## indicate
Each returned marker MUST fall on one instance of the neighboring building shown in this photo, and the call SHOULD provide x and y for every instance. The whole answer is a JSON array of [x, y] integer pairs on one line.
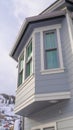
[[7, 117], [44, 52]]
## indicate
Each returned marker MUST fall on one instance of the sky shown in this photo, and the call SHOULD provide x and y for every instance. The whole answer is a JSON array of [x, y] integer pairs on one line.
[[12, 15]]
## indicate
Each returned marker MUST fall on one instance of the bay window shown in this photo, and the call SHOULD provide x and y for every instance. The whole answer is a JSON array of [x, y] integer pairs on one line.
[[25, 63]]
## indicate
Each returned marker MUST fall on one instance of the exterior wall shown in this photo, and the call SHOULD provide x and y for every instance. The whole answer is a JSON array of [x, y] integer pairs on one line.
[[68, 54], [63, 109], [49, 83], [57, 82]]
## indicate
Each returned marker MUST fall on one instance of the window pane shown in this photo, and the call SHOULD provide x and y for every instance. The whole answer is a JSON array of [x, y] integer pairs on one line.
[[21, 63], [29, 49], [50, 40], [20, 80], [29, 68], [51, 59]]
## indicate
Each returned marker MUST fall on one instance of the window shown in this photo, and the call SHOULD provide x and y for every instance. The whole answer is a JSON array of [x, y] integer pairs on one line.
[[51, 126], [25, 63], [50, 51], [21, 63], [28, 59]]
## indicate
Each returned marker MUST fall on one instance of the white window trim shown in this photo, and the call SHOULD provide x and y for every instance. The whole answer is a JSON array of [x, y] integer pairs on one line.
[[21, 54], [24, 52], [30, 38], [41, 30], [41, 127]]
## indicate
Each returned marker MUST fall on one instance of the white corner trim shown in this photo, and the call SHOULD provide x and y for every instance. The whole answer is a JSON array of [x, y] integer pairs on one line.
[[59, 48], [33, 53], [53, 96], [69, 29], [42, 51]]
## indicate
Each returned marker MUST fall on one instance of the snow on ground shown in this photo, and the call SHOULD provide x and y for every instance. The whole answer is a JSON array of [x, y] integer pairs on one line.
[[9, 119]]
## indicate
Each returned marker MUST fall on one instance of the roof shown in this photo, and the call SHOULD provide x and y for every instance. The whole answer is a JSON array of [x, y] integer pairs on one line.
[[41, 17], [52, 5]]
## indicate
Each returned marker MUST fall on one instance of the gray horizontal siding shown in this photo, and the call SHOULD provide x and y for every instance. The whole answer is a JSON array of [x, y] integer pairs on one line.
[[68, 55], [48, 82]]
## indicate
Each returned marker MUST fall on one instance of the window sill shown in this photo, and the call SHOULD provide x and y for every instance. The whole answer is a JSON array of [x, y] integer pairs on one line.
[[52, 71], [29, 78], [26, 81]]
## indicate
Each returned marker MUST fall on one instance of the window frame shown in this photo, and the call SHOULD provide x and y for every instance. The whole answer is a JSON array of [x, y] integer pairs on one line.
[[30, 57], [24, 66], [22, 70], [56, 27], [42, 127], [52, 49]]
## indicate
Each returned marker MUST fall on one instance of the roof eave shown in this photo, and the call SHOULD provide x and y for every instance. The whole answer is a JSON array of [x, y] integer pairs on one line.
[[31, 20], [18, 37]]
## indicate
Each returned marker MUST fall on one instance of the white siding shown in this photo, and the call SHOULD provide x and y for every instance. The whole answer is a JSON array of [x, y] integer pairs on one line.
[[24, 94]]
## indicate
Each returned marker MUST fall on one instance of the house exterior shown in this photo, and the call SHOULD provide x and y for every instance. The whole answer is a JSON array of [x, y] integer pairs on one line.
[[44, 52]]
